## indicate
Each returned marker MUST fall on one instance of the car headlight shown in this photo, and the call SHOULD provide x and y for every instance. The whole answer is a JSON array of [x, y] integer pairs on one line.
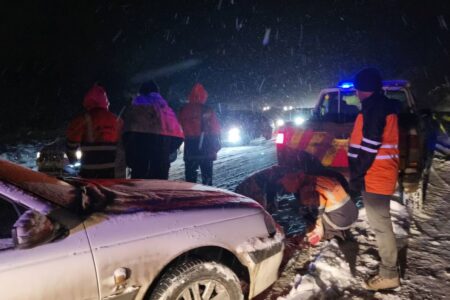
[[280, 122], [299, 120], [78, 154], [234, 135], [38, 154]]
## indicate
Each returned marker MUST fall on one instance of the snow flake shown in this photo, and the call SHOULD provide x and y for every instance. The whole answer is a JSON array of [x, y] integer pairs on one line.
[[118, 34], [442, 22], [266, 38]]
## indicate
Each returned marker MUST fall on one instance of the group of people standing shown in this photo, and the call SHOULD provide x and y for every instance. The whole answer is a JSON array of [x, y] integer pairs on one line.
[[144, 140], [151, 131]]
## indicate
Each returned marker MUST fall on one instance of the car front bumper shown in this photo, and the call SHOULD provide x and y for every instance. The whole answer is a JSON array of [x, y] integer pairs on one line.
[[263, 258]]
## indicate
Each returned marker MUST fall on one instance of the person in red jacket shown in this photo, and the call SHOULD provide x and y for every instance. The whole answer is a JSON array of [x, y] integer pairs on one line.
[[202, 136], [96, 132], [374, 163]]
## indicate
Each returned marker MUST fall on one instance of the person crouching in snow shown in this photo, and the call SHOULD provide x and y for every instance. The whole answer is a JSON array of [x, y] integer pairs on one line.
[[336, 211], [151, 134]]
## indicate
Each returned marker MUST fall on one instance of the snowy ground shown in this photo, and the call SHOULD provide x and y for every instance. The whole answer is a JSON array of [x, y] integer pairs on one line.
[[337, 271], [333, 270]]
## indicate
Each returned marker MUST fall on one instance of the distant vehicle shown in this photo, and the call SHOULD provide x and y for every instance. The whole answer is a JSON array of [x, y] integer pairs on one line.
[[295, 116], [240, 127], [52, 159], [326, 134], [131, 239]]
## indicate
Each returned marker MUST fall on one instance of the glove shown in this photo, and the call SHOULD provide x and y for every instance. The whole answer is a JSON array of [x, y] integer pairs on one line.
[[316, 234]]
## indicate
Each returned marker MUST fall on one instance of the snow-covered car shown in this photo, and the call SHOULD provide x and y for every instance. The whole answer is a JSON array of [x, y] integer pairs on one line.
[[240, 127], [131, 239]]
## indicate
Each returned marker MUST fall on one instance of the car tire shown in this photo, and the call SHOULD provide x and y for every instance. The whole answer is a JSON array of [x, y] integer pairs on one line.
[[198, 279]]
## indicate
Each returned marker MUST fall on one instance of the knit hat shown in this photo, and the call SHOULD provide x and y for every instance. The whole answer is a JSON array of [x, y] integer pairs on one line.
[[148, 87], [96, 98], [368, 80]]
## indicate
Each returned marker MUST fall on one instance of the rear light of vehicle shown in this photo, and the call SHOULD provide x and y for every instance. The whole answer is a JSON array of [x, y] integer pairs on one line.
[[280, 138]]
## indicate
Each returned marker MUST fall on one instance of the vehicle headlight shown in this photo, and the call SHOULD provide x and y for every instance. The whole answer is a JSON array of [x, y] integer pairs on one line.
[[38, 154], [280, 122], [299, 120], [78, 154], [234, 135]]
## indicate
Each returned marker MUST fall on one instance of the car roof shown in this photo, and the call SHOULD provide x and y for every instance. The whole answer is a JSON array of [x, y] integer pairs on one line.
[[397, 84]]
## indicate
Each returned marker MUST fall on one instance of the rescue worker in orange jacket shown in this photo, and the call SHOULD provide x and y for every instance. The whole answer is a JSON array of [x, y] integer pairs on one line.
[[151, 134], [374, 163], [202, 131], [96, 132], [336, 211]]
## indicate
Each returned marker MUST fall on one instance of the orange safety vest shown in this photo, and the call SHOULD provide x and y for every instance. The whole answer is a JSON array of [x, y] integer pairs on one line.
[[381, 177], [332, 195]]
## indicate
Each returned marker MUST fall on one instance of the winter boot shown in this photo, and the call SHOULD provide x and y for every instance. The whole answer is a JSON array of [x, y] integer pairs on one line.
[[381, 283]]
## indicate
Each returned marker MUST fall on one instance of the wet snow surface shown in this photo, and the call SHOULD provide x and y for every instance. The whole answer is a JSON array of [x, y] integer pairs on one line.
[[336, 270]]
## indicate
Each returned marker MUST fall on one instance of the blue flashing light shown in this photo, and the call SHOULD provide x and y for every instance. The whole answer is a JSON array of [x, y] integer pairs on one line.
[[345, 85]]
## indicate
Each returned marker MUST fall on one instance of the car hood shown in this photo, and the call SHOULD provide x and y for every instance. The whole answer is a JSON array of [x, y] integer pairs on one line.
[[120, 195], [129, 196]]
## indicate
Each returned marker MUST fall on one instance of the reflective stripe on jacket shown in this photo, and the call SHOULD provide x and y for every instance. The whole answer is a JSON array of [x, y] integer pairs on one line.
[[96, 132], [332, 195], [373, 149]]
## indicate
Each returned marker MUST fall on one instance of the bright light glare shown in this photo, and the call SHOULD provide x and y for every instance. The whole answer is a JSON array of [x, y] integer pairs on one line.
[[299, 120], [234, 135], [280, 122], [265, 108], [285, 108], [38, 154], [280, 138], [78, 154]]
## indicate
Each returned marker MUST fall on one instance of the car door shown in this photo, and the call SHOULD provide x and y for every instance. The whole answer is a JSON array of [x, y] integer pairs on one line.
[[61, 269]]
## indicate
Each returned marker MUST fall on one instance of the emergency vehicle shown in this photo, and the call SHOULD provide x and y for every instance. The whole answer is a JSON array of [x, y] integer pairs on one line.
[[326, 134]]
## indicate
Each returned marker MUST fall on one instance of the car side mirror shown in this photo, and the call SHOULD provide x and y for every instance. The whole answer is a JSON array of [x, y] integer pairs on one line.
[[32, 229]]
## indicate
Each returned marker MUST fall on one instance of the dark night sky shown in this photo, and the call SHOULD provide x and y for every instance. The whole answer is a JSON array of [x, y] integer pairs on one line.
[[52, 52]]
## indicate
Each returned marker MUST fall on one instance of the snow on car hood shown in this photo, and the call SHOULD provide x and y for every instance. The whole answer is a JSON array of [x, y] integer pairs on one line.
[[128, 196], [120, 195]]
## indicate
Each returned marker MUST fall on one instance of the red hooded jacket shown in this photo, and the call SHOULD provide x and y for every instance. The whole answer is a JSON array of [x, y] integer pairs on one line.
[[197, 119], [96, 132]]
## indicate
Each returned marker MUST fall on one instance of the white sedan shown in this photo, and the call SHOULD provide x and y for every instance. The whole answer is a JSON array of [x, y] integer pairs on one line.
[[131, 239]]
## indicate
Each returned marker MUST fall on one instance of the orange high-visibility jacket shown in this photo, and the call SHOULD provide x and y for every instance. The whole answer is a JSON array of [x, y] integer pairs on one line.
[[373, 150]]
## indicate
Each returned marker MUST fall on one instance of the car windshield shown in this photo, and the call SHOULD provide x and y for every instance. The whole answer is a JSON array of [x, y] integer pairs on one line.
[[335, 106], [345, 105]]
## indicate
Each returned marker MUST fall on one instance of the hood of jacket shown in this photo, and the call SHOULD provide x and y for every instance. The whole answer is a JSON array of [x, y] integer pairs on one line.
[[96, 98], [198, 94]]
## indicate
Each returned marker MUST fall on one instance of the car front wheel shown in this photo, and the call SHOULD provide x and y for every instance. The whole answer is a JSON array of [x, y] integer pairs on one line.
[[197, 279]]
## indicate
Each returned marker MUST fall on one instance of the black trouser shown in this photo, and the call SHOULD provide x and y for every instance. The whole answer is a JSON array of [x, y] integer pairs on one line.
[[101, 173], [148, 155], [206, 167]]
